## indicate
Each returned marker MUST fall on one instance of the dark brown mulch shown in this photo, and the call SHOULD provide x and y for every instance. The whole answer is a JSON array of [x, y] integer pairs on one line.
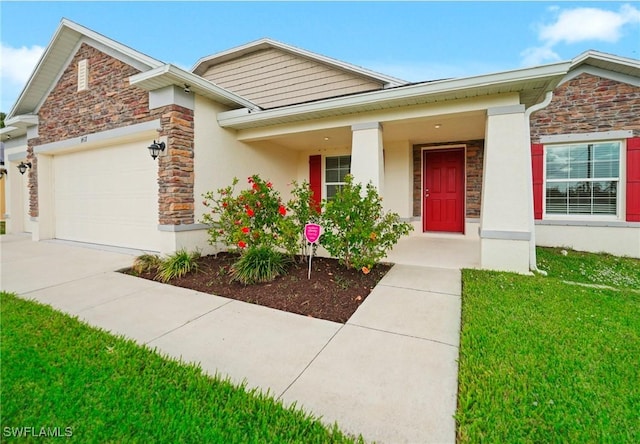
[[333, 292]]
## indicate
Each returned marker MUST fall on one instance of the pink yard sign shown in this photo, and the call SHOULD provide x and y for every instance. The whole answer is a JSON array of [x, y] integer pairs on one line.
[[312, 232]]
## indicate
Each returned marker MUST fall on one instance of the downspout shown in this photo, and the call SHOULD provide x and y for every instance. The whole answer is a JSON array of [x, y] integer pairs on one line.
[[532, 243]]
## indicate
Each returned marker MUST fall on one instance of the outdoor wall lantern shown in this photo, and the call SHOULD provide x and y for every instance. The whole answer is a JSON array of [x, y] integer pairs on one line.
[[23, 167], [155, 149]]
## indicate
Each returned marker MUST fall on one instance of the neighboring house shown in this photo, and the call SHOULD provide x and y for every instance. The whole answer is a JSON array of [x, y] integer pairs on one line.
[[452, 156]]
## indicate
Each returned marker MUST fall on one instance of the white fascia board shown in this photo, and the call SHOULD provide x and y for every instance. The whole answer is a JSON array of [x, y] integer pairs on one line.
[[609, 58], [553, 72], [179, 77], [23, 120], [126, 50], [66, 39], [269, 43]]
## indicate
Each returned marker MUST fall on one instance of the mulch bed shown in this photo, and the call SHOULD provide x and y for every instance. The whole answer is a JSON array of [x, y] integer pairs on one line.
[[333, 292]]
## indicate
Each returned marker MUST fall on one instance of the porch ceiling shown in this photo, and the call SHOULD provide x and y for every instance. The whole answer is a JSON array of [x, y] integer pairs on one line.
[[452, 128]]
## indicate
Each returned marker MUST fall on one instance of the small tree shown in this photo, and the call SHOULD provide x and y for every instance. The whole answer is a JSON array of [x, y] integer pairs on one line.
[[357, 231]]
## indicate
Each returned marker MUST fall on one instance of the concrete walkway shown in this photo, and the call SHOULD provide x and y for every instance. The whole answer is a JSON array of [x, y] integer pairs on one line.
[[390, 373]]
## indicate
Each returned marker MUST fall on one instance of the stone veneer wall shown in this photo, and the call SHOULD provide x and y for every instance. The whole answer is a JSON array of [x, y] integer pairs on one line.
[[176, 176], [589, 104], [474, 159], [108, 103]]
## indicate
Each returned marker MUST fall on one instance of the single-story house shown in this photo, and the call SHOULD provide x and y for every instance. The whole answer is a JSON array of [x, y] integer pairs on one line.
[[547, 155]]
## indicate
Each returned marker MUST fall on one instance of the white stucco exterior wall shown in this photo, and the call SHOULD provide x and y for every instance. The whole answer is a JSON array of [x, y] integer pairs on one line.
[[398, 176], [505, 223], [617, 240], [16, 188], [218, 158]]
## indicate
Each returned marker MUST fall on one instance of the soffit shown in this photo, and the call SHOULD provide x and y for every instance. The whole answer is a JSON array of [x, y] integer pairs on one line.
[[531, 84]]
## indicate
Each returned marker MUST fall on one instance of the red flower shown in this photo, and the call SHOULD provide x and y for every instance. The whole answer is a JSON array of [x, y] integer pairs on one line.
[[245, 229], [282, 210], [250, 179], [250, 212], [242, 244], [225, 205], [269, 184], [256, 186]]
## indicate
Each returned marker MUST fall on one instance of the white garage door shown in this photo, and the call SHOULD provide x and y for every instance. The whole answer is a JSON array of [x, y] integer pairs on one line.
[[107, 196]]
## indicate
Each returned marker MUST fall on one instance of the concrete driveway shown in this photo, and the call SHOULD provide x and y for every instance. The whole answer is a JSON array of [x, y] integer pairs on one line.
[[389, 373]]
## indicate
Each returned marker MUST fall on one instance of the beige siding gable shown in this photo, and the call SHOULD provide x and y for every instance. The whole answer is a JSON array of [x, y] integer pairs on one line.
[[273, 77]]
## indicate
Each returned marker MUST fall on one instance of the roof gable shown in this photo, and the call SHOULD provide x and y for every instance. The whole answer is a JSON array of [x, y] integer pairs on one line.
[[273, 74], [59, 53], [605, 65]]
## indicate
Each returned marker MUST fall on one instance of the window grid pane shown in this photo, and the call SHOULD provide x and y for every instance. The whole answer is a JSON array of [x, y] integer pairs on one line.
[[590, 163], [336, 169]]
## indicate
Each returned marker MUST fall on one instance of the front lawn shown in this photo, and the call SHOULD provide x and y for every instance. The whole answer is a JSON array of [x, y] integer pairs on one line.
[[62, 377], [543, 360]]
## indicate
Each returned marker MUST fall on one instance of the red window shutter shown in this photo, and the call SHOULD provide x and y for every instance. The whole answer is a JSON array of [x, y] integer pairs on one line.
[[537, 166], [633, 179], [315, 179]]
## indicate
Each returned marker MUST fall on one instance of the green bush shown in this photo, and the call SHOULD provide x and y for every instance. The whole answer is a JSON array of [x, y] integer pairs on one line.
[[259, 264], [304, 210], [356, 230], [177, 265], [146, 263]]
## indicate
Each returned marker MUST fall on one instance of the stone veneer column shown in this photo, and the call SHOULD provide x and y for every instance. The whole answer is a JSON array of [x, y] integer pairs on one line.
[[175, 168], [367, 160]]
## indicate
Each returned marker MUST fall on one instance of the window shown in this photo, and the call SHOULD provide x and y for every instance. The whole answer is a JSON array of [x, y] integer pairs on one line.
[[582, 179], [336, 168]]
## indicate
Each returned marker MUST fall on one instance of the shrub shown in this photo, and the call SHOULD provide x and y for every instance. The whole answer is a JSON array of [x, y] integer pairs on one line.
[[146, 263], [177, 265], [254, 218], [303, 211], [259, 264], [356, 229]]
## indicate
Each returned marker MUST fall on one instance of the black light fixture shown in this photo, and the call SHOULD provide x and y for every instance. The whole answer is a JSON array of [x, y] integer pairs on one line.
[[23, 167], [155, 149]]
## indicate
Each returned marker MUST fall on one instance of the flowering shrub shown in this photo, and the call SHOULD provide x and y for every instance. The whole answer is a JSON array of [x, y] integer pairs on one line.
[[256, 217], [356, 229]]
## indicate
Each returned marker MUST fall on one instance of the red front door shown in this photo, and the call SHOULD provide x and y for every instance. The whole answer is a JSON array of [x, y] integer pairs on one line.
[[443, 190]]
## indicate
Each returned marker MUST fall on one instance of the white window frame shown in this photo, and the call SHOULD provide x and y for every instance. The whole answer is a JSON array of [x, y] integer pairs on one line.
[[621, 188], [324, 173]]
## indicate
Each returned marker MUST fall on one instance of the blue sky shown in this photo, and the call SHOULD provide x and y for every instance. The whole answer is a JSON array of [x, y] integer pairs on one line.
[[411, 40]]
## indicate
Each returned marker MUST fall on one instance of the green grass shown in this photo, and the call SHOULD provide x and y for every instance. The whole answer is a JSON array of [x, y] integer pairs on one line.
[[543, 361], [59, 372], [598, 269]]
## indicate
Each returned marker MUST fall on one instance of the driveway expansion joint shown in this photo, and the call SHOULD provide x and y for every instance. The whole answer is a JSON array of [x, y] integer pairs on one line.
[[403, 335], [421, 291], [189, 321], [310, 362]]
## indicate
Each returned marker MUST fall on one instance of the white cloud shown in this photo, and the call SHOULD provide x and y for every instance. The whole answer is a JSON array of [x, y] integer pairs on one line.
[[584, 24], [15, 69], [538, 56], [577, 25]]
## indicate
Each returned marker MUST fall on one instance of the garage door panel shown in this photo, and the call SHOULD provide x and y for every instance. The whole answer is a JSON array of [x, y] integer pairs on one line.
[[107, 196]]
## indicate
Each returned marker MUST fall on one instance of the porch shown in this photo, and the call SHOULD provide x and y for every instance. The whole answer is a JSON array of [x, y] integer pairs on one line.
[[434, 250]]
